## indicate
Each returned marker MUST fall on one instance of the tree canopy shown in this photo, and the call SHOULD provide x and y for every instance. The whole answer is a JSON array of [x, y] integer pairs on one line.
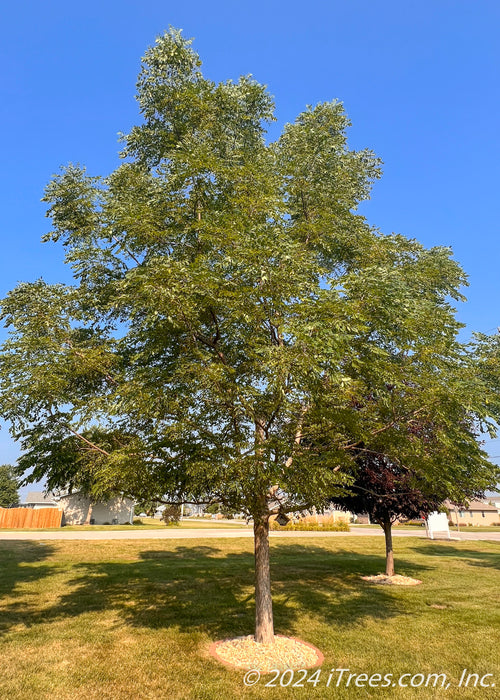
[[9, 495], [235, 326], [389, 492]]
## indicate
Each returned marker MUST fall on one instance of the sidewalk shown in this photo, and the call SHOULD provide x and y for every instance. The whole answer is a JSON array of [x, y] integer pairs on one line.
[[195, 534]]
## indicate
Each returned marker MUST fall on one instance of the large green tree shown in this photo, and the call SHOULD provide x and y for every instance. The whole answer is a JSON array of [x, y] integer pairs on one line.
[[9, 495], [232, 317]]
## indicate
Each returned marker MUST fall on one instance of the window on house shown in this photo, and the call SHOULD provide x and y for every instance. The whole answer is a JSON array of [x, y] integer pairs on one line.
[[482, 513], [471, 514], [461, 513]]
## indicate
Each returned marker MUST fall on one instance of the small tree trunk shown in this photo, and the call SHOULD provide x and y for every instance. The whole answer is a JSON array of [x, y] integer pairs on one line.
[[264, 626], [89, 514], [389, 553]]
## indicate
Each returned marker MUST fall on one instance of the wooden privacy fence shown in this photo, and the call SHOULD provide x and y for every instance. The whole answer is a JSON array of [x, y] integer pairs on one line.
[[30, 517]]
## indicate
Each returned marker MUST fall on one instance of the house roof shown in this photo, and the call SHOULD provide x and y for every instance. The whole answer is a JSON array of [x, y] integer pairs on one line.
[[473, 505], [481, 505], [37, 497]]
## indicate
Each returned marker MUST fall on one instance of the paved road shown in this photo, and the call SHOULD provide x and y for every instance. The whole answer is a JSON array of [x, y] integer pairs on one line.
[[195, 534]]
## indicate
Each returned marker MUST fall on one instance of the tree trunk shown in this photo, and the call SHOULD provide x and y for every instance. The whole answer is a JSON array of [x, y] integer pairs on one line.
[[264, 626], [389, 554], [89, 514]]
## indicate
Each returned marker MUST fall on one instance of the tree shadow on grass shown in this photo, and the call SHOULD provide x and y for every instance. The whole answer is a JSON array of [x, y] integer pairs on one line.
[[205, 589], [329, 584], [15, 559], [491, 560], [20, 565]]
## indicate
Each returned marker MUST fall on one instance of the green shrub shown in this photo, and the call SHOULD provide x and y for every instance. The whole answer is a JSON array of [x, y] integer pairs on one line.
[[213, 509], [171, 515]]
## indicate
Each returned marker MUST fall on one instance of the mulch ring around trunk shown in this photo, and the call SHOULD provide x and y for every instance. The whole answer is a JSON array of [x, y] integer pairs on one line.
[[396, 580], [284, 653]]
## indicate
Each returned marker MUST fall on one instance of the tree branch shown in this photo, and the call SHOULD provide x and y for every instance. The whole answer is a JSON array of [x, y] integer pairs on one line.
[[80, 437], [126, 250]]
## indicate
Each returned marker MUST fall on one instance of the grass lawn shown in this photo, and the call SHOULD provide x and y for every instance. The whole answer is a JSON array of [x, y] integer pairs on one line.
[[123, 620]]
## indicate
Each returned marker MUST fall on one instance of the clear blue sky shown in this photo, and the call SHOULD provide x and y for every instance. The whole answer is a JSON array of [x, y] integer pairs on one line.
[[419, 80]]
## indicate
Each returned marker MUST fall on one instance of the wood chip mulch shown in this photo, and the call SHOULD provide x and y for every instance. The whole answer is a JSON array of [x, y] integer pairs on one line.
[[283, 653], [396, 580]]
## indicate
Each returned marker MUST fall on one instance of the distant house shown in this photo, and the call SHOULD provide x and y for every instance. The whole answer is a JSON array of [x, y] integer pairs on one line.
[[37, 499], [78, 509], [494, 499], [362, 519], [477, 513]]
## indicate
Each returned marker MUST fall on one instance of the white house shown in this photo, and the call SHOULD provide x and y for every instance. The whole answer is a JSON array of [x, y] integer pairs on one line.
[[79, 509]]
